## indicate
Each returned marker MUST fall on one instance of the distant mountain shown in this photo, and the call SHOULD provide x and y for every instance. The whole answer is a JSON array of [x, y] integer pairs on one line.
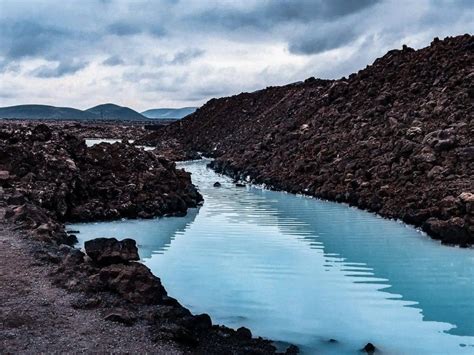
[[101, 112], [46, 112], [169, 113], [115, 112]]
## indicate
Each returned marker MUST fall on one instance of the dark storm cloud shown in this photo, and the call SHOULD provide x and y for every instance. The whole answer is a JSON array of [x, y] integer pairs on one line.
[[309, 10], [59, 70], [269, 14], [20, 39], [307, 26], [321, 41], [168, 46], [123, 29]]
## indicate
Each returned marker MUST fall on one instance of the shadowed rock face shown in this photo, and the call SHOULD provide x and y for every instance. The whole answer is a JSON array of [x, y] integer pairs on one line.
[[108, 251], [133, 282], [396, 138]]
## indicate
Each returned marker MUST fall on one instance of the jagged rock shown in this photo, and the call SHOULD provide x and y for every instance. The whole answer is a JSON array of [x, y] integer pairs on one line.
[[41, 133], [217, 184], [451, 231], [414, 131], [244, 333], [292, 350], [369, 348], [106, 251], [134, 282], [57, 173], [72, 256]]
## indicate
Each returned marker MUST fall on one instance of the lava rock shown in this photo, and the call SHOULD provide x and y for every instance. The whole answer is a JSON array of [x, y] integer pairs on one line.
[[292, 350], [369, 348], [72, 182], [244, 333], [106, 251], [133, 282]]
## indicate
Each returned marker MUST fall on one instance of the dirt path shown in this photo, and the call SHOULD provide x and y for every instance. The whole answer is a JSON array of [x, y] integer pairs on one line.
[[36, 316]]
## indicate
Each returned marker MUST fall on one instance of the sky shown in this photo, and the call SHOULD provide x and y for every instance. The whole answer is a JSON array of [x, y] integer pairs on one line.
[[164, 53]]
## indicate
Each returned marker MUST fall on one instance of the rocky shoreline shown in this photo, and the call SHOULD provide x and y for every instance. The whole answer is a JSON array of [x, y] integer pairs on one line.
[[396, 138], [49, 177], [110, 130]]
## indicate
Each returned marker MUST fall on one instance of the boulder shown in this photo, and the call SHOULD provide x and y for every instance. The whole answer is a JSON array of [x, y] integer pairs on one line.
[[369, 348], [244, 333], [41, 133], [134, 282], [106, 251], [451, 231]]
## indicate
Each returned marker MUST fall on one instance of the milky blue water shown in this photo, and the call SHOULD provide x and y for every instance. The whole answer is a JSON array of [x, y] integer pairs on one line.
[[93, 141], [303, 271]]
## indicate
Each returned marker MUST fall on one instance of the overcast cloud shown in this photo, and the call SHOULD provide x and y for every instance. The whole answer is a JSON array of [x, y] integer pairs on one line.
[[164, 53]]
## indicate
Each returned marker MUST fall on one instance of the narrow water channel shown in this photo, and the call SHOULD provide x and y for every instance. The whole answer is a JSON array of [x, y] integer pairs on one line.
[[304, 271]]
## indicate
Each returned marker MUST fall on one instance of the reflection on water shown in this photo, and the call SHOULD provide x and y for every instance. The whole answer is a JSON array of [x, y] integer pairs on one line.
[[151, 238], [304, 271]]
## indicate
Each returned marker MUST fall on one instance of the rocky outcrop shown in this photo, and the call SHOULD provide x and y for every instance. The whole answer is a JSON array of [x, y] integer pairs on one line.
[[49, 176], [108, 251], [396, 138], [134, 282], [37, 221], [128, 293], [110, 130]]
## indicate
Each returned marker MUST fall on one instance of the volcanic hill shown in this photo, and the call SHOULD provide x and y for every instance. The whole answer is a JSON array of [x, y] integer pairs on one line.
[[396, 138]]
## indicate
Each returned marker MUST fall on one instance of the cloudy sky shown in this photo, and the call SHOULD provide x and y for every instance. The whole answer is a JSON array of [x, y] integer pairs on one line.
[[165, 53]]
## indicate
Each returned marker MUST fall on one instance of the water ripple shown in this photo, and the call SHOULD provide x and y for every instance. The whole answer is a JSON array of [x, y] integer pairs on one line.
[[303, 271]]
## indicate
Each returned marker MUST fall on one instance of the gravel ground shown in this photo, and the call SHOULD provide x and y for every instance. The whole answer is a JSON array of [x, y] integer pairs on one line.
[[36, 316]]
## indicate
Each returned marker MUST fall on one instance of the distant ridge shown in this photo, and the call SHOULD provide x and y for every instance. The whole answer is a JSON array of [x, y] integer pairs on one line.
[[169, 113], [46, 112], [115, 112]]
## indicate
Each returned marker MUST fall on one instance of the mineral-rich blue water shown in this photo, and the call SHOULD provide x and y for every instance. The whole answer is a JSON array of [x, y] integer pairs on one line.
[[93, 141], [303, 271]]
